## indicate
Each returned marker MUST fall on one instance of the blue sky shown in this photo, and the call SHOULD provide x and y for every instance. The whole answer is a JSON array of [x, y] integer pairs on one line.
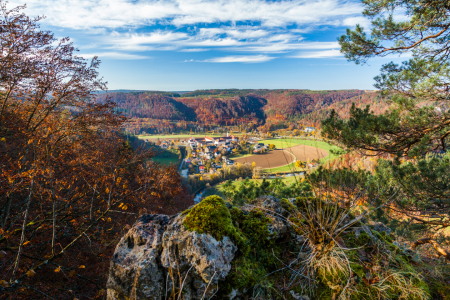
[[201, 44]]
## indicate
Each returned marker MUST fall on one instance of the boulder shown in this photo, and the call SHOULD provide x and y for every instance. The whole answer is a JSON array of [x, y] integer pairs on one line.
[[158, 254]]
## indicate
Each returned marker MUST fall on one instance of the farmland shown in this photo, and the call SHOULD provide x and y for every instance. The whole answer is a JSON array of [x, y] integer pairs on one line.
[[166, 157], [274, 158], [283, 160]]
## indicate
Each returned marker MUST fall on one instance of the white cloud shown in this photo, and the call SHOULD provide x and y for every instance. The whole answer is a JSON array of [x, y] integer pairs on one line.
[[272, 42], [319, 54], [194, 50], [267, 46], [113, 55], [83, 14], [120, 28], [352, 21], [240, 59]]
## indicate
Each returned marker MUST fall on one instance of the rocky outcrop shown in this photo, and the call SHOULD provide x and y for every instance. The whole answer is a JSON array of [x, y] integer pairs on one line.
[[158, 257], [158, 254], [215, 249]]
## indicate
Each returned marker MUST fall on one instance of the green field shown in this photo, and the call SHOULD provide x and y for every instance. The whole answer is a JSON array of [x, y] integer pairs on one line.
[[166, 160], [286, 143], [167, 157], [284, 169]]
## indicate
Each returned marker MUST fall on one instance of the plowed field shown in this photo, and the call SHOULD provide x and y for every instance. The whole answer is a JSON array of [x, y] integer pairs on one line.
[[278, 158], [303, 152], [271, 159]]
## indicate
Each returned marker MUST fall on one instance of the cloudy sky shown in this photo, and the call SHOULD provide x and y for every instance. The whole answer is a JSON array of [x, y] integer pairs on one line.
[[179, 45]]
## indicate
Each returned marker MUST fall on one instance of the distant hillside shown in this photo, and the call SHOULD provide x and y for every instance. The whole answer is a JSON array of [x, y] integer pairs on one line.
[[377, 104], [295, 103], [150, 105], [162, 112], [218, 106], [228, 110]]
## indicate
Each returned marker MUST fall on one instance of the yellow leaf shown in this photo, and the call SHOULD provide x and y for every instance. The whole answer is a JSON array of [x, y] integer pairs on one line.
[[26, 243], [121, 204], [4, 283], [30, 141], [58, 270], [82, 267], [125, 186], [124, 207], [109, 219], [72, 273], [119, 179], [31, 273], [107, 190]]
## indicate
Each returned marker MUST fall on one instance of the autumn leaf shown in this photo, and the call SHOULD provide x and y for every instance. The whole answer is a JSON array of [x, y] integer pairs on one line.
[[72, 273], [31, 273], [58, 270], [4, 283], [82, 267]]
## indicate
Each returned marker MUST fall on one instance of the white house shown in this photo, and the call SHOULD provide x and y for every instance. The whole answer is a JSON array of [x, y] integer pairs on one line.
[[309, 129]]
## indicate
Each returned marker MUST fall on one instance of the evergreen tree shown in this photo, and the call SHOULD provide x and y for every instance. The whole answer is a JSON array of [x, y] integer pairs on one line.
[[415, 130]]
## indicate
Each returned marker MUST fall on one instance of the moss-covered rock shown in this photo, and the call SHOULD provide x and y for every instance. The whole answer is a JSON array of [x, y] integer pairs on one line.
[[266, 250], [212, 216]]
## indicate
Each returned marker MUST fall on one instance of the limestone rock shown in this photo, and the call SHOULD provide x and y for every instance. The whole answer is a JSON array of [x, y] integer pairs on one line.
[[158, 257], [135, 269], [158, 254]]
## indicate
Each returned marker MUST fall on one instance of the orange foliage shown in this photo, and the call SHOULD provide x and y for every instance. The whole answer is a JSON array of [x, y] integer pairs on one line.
[[69, 183]]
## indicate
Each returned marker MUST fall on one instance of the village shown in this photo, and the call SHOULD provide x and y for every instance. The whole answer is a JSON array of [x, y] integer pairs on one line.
[[202, 155], [209, 154]]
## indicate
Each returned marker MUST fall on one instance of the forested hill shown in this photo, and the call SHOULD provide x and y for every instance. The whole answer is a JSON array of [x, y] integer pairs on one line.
[[229, 106]]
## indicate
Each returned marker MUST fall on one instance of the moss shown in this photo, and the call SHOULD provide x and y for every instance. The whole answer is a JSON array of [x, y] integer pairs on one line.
[[250, 268], [248, 230], [212, 216], [287, 206]]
